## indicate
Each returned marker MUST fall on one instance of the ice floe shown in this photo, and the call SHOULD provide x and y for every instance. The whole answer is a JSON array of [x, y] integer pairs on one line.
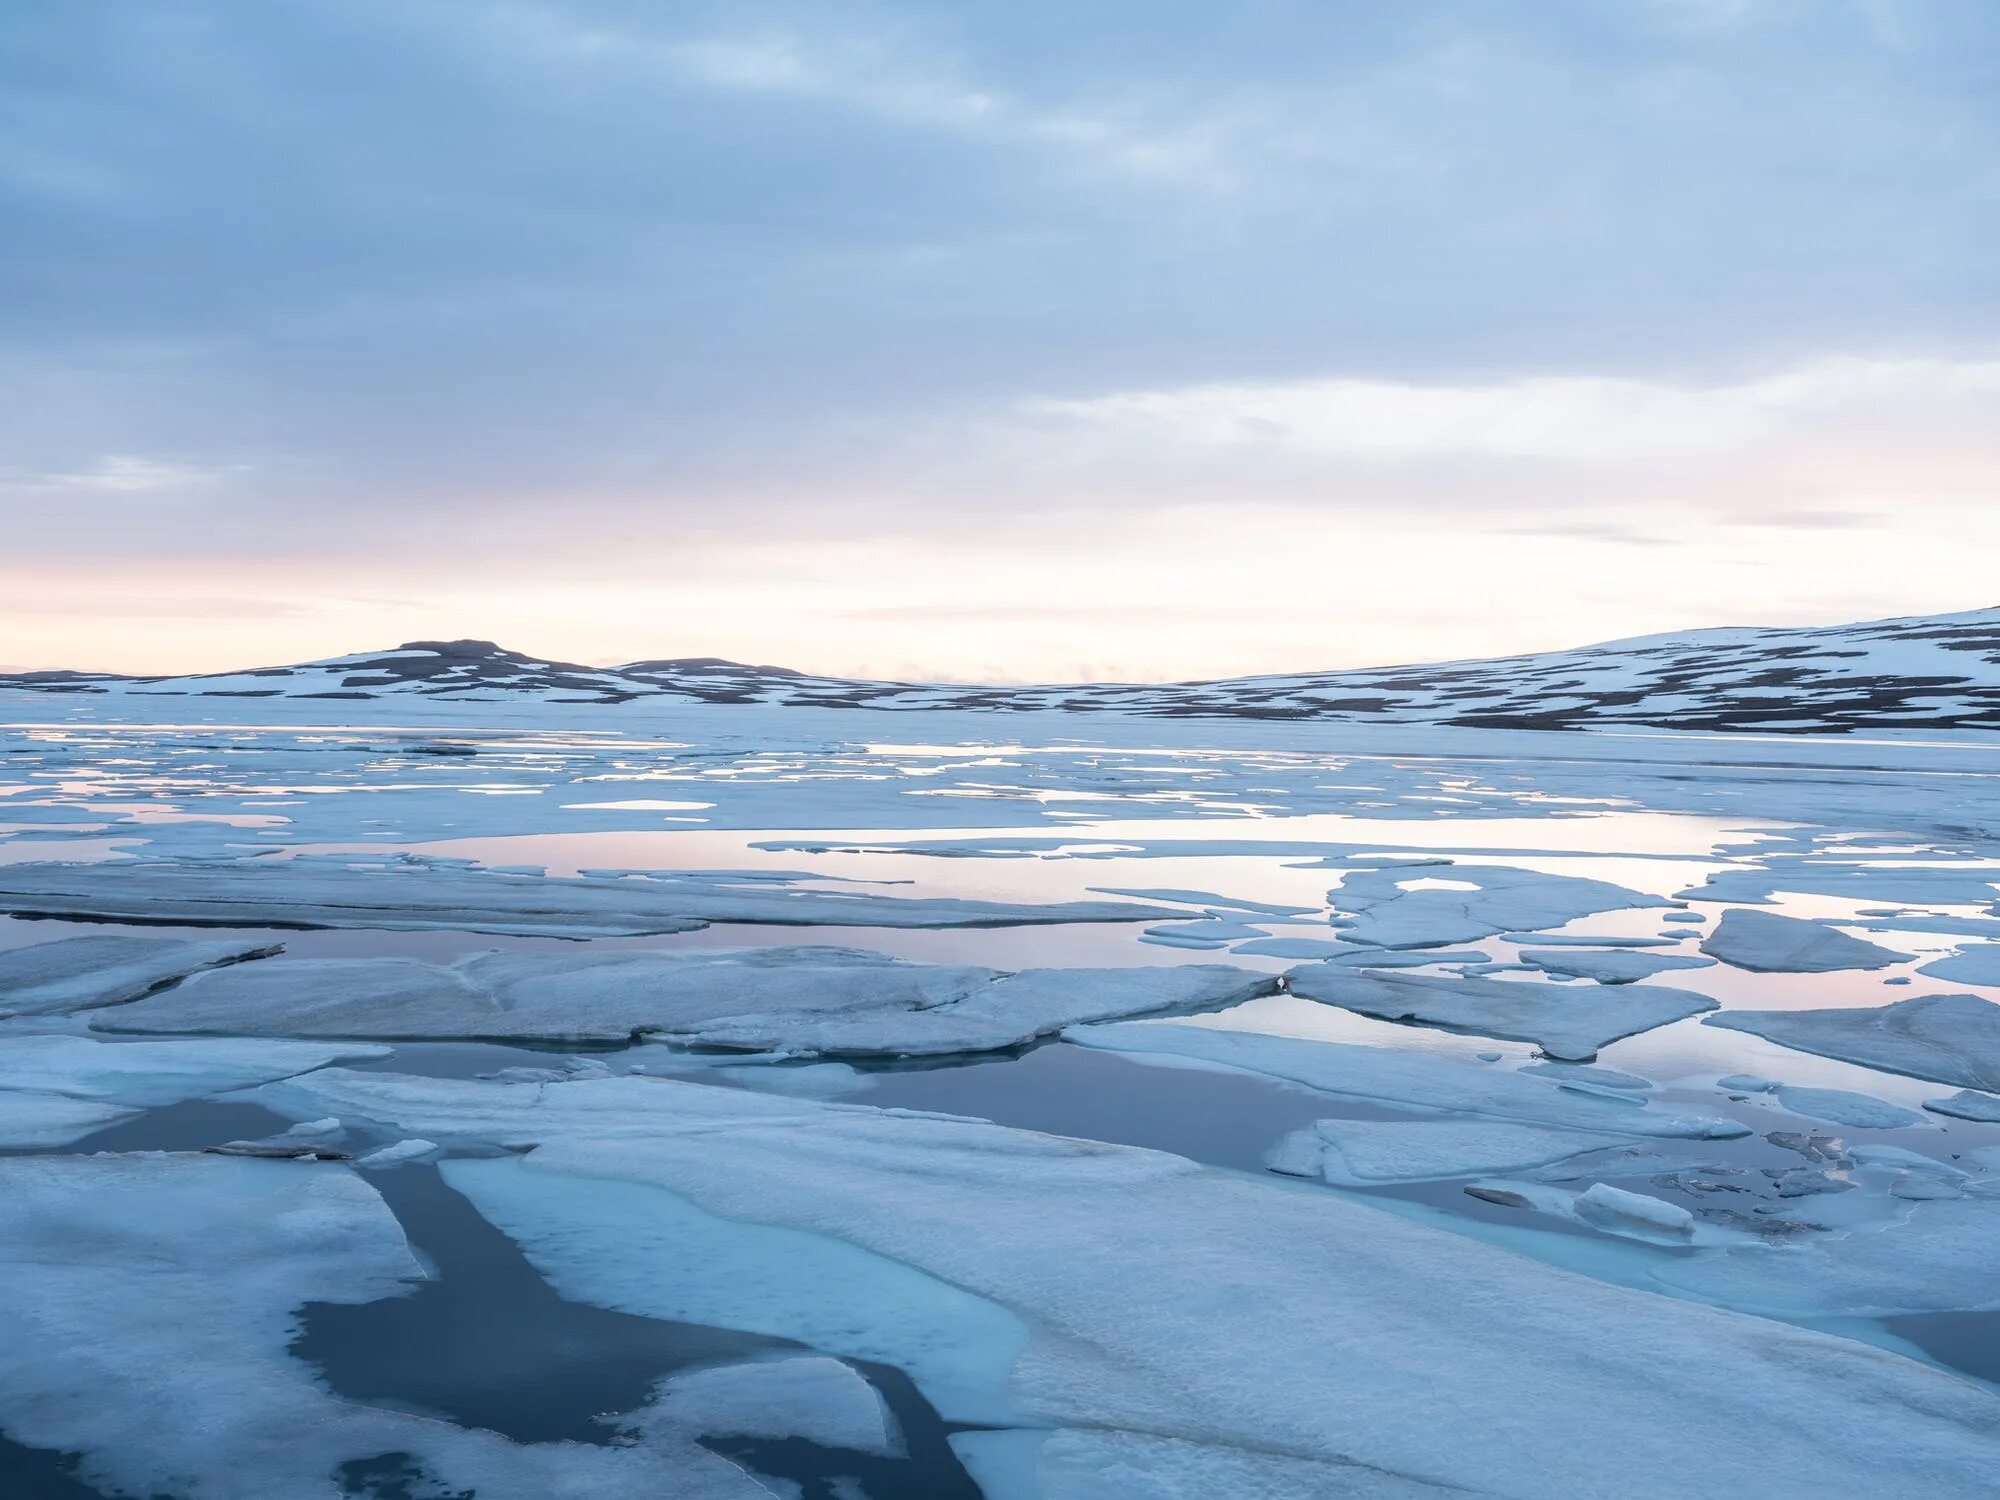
[[1845, 1107], [1609, 965], [1416, 1080], [1364, 1153], [38, 1121], [1565, 1021], [1237, 1314], [1967, 1105], [821, 1000], [812, 1397], [80, 973], [1951, 1039], [1978, 964], [1933, 1254], [153, 1073], [1765, 941], [146, 1304], [1393, 908], [263, 892]]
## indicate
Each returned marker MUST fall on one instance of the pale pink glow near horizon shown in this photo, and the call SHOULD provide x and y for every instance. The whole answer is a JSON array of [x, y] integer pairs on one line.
[[1204, 532]]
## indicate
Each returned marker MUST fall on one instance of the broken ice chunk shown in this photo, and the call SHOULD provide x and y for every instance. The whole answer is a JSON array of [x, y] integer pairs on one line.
[[1767, 942], [83, 973], [1952, 1039], [1565, 1021]]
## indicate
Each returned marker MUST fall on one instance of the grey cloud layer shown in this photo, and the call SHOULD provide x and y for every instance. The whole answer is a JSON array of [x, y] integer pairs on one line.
[[308, 260]]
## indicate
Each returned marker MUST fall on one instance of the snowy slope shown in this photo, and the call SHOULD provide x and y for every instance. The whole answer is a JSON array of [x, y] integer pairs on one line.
[[1923, 672]]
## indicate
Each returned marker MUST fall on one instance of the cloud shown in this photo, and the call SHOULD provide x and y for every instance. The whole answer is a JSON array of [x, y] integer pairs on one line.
[[130, 474], [875, 74], [1557, 419]]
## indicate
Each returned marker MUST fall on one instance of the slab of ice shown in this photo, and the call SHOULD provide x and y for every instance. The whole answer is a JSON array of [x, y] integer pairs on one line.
[[1933, 1256], [1208, 929], [1383, 909], [80, 973], [146, 1303], [154, 1073], [1967, 1105], [39, 1122], [1607, 1209], [1565, 1021], [1767, 942], [811, 1397], [401, 1154], [1204, 899], [264, 892], [647, 1250], [827, 1000], [1010, 1010], [1365, 1153], [1844, 1107], [1587, 940], [1236, 1314], [1978, 964], [1073, 1464], [1951, 1039], [1614, 1207], [1398, 1076], [1565, 1074], [1610, 965], [1301, 948]]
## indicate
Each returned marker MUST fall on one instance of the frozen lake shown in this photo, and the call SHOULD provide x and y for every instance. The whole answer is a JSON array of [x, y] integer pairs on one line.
[[845, 1104]]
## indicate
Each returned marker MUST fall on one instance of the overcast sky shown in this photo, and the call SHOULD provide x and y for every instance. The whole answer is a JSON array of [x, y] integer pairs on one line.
[[1059, 338]]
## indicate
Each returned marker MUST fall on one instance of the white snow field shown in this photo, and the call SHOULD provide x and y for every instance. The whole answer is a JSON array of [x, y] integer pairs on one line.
[[729, 1087]]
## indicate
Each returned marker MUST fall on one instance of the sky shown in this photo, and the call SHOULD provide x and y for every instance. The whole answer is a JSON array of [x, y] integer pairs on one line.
[[1062, 339]]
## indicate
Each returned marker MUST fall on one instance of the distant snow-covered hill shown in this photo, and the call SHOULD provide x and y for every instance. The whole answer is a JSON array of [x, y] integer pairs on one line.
[[1924, 672]]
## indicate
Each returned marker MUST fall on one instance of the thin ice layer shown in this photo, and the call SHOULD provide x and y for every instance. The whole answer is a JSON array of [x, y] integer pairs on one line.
[[1565, 1021]]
